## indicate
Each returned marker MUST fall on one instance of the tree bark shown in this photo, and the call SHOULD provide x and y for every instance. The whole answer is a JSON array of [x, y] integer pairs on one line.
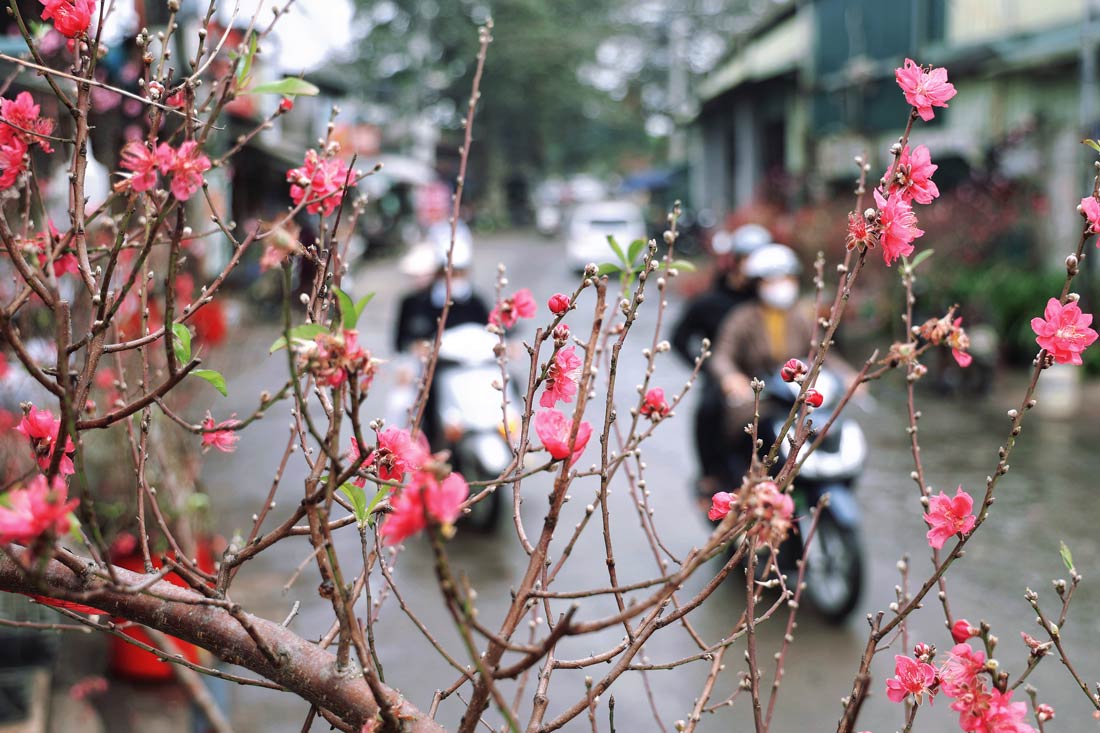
[[301, 666]]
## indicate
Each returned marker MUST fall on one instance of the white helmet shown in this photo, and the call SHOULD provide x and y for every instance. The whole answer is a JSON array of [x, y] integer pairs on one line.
[[748, 238], [440, 236], [771, 260]]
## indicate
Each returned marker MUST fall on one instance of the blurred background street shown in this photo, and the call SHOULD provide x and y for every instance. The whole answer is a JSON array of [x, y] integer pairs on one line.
[[596, 117], [1046, 498]]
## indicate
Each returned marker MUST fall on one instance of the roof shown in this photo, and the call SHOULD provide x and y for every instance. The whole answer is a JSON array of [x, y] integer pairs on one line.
[[776, 46]]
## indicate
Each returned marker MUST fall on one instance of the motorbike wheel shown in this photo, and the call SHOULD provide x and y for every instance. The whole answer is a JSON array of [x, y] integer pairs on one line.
[[834, 570], [485, 515]]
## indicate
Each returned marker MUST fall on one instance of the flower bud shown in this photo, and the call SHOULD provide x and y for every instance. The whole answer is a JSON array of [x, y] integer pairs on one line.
[[814, 398], [286, 104], [961, 630], [792, 369], [558, 303]]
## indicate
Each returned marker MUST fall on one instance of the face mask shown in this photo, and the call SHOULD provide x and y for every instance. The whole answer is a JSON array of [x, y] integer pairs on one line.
[[781, 294], [461, 289]]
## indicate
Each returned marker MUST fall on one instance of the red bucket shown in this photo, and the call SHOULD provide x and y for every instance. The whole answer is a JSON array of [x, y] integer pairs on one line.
[[134, 663]]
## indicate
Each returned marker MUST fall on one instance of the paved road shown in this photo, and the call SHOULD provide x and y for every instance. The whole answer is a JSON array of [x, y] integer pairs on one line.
[[1049, 496]]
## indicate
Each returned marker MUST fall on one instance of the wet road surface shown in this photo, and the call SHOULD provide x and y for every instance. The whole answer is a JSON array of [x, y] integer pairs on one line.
[[1048, 496]]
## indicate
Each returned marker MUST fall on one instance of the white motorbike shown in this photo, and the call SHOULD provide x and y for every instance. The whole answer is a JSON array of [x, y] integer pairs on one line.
[[470, 422]]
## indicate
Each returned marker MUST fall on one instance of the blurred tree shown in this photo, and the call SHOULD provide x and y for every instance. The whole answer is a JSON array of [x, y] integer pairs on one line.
[[569, 85]]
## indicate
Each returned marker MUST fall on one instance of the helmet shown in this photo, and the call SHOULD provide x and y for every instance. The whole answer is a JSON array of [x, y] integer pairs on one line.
[[419, 261], [748, 238], [771, 260], [440, 236]]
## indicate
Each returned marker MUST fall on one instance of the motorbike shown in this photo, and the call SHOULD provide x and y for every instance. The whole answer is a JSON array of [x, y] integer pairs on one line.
[[465, 407], [834, 562]]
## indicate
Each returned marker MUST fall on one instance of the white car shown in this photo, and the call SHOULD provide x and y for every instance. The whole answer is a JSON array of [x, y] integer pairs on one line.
[[591, 224]]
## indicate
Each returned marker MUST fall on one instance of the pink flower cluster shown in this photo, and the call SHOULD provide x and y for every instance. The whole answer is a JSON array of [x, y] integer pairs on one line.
[[1064, 331], [186, 166], [981, 707], [41, 507], [41, 429], [71, 18], [520, 305], [433, 494], [321, 179], [425, 499], [950, 332], [763, 502], [561, 377], [334, 357], [397, 453], [21, 125]]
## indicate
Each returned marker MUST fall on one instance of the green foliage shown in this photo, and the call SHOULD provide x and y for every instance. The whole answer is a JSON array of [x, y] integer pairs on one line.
[[1067, 556], [306, 332], [214, 378], [181, 342], [289, 87]]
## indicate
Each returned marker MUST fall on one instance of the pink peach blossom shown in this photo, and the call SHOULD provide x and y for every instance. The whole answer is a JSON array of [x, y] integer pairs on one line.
[[910, 678], [924, 89], [1090, 208], [187, 166], [398, 452], [38, 508], [948, 516], [520, 305], [27, 124], [898, 227], [553, 429], [224, 439], [558, 303], [71, 18], [1064, 331], [425, 499], [720, 505], [138, 158], [654, 406], [41, 429], [960, 671], [321, 179], [913, 178], [561, 377]]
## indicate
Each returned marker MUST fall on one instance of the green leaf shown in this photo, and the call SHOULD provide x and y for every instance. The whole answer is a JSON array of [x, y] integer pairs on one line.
[[347, 309], [379, 495], [307, 332], [683, 265], [246, 66], [74, 528], [362, 304], [214, 378], [635, 248], [290, 87], [608, 268], [358, 499], [923, 255], [181, 343], [1092, 144], [618, 251], [1067, 556]]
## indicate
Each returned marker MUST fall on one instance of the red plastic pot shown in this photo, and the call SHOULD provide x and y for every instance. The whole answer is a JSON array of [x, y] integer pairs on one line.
[[134, 663]]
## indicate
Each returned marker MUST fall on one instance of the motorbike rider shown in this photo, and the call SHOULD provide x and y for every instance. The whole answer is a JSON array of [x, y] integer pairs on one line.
[[700, 320], [755, 340], [419, 312]]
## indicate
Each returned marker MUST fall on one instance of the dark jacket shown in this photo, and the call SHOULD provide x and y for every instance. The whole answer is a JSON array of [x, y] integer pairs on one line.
[[703, 316], [418, 317]]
